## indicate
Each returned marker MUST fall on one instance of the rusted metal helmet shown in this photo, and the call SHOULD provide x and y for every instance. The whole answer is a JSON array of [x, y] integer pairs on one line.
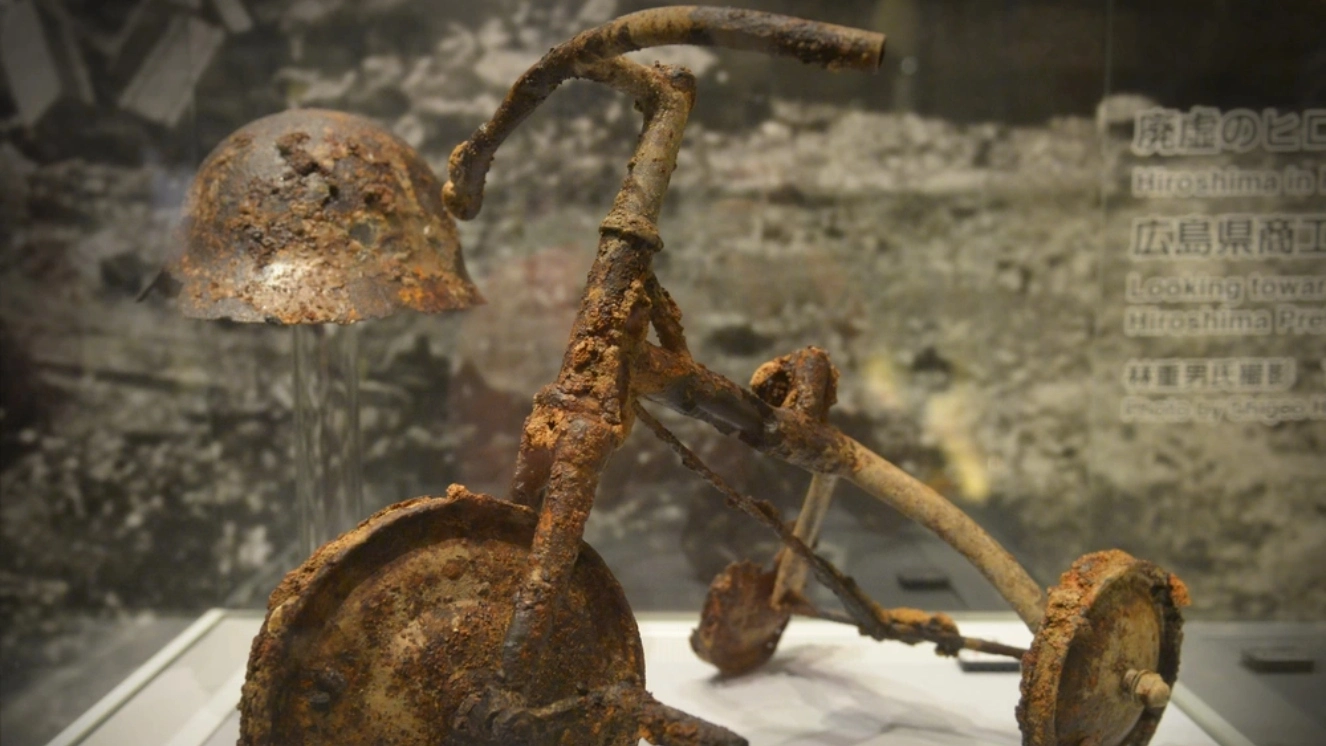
[[311, 216]]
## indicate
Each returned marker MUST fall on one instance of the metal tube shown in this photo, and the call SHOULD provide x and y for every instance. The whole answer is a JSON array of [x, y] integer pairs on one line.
[[680, 383], [834, 47], [914, 499], [792, 569], [585, 414]]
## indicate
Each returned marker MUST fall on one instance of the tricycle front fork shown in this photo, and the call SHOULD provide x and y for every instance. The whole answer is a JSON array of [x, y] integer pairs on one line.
[[581, 418], [585, 415]]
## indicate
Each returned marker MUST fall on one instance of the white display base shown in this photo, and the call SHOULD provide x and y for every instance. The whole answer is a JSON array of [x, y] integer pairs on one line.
[[827, 686]]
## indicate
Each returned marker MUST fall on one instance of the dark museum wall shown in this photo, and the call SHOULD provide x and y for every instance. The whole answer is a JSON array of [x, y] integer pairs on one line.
[[942, 229]]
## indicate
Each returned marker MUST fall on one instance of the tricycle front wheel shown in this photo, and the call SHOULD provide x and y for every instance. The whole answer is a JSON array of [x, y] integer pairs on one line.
[[387, 631]]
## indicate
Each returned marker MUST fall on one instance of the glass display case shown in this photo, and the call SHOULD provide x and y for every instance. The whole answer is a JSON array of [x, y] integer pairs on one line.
[[1068, 260]]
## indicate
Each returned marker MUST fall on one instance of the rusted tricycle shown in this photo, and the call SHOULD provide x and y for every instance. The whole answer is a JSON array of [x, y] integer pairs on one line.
[[466, 619]]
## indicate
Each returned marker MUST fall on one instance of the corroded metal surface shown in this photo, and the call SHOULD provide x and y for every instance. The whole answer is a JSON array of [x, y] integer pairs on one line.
[[311, 216], [499, 692], [585, 414], [744, 615], [739, 627], [790, 570], [803, 381], [906, 625], [391, 634], [834, 47], [668, 726], [465, 620], [1100, 668], [678, 382]]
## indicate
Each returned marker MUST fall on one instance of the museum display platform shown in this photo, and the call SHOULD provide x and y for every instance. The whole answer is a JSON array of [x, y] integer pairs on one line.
[[826, 685]]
